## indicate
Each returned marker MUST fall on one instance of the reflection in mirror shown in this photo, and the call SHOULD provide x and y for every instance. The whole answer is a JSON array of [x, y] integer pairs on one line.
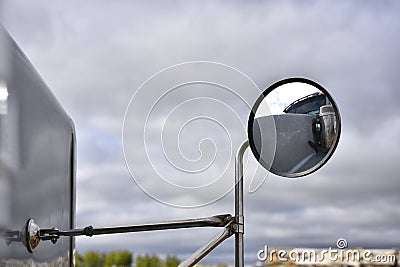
[[300, 121]]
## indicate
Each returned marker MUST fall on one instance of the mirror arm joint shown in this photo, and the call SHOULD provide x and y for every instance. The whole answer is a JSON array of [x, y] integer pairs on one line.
[[238, 225], [52, 234]]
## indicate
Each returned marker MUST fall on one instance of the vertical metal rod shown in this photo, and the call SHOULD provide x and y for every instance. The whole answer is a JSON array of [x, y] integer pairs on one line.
[[239, 218]]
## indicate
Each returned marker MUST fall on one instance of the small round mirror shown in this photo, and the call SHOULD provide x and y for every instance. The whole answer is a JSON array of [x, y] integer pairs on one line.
[[299, 120]]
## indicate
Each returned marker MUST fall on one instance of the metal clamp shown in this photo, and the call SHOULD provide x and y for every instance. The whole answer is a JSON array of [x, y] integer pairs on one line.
[[238, 225]]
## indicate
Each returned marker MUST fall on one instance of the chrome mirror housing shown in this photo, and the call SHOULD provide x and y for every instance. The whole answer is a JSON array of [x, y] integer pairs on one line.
[[30, 235]]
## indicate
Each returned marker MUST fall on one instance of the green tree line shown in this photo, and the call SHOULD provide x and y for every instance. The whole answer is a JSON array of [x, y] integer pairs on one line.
[[123, 259]]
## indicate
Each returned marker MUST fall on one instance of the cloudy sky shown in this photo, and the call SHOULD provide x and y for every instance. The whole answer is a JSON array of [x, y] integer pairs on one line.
[[94, 55]]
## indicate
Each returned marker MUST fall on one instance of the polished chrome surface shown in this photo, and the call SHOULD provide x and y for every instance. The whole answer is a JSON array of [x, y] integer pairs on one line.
[[36, 160], [239, 213], [30, 235]]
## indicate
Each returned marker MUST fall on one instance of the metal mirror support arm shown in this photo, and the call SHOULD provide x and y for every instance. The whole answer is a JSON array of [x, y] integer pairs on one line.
[[31, 234], [239, 217], [207, 248], [213, 221], [226, 221]]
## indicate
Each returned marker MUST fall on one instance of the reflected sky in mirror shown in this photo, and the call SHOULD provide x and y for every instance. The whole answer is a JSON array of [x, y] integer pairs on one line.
[[277, 100]]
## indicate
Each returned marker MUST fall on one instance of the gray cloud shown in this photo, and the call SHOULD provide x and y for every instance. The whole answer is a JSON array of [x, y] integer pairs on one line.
[[94, 55]]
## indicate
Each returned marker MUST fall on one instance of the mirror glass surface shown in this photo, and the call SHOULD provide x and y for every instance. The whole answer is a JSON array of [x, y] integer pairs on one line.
[[299, 120]]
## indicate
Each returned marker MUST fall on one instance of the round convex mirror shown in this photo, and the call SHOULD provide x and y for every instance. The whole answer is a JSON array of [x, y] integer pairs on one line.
[[299, 120]]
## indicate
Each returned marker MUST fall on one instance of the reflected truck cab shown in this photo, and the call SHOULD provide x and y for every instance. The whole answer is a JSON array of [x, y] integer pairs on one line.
[[309, 104]]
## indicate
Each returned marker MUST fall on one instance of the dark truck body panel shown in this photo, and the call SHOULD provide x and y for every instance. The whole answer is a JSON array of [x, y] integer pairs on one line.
[[37, 160]]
